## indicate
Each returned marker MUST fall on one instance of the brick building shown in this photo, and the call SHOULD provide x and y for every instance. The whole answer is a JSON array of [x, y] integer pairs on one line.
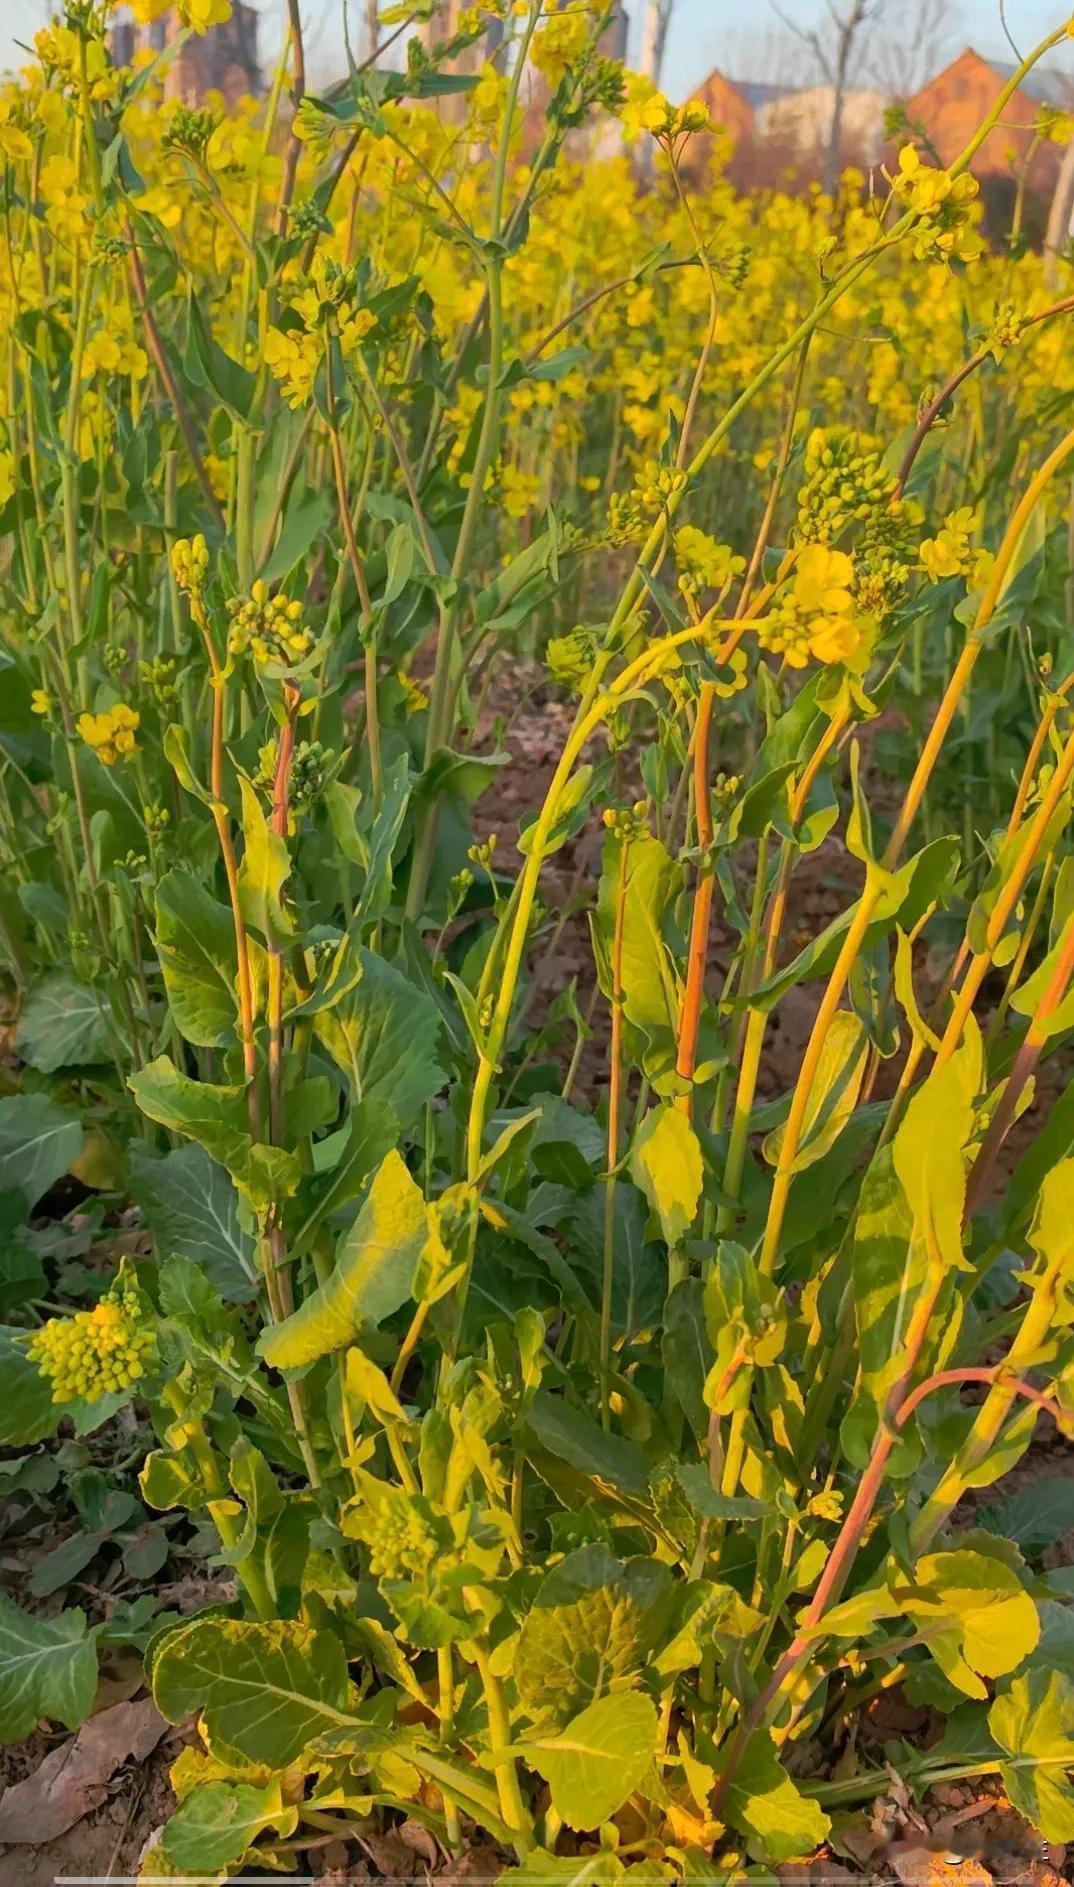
[[223, 59], [952, 105]]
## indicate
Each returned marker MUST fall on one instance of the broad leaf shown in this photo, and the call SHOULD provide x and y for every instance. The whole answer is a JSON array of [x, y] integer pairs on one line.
[[1034, 1515], [833, 1096], [196, 947], [575, 1438], [373, 1274], [598, 1759], [219, 1821], [48, 1668], [38, 1142], [384, 1035], [27, 1411], [1034, 1723], [665, 1161], [190, 1207], [763, 1803], [590, 1631], [266, 1689], [62, 1024]]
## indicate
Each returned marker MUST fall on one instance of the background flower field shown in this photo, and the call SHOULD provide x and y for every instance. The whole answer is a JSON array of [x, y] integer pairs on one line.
[[536, 1123]]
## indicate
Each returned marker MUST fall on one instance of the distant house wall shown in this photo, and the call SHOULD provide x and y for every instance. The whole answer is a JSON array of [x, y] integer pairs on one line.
[[952, 105], [223, 59], [803, 119], [728, 107]]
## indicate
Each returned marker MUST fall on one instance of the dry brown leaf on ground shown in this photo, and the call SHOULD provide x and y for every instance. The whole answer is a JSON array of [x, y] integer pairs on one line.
[[73, 1778]]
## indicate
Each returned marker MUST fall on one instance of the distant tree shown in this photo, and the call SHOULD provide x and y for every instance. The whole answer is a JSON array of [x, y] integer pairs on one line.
[[1060, 228], [837, 49], [903, 61], [654, 34]]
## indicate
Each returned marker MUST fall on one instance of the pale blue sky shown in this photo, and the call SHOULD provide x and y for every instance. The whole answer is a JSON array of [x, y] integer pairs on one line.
[[745, 40]]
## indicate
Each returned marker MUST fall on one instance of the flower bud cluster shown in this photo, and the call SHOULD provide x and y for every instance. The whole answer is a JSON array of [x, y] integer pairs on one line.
[[98, 1351], [656, 484], [271, 627], [400, 1541], [627, 823], [190, 563], [570, 658]]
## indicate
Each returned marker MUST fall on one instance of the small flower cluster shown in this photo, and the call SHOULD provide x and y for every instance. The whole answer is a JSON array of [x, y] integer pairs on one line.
[[625, 522], [158, 676], [655, 484], [704, 564], [942, 204], [311, 765], [816, 614], [190, 563], [570, 658], [111, 733], [1007, 330], [628, 823], [293, 355], [847, 485], [950, 553], [98, 1351], [845, 482], [190, 131], [400, 1539], [646, 109], [270, 627]]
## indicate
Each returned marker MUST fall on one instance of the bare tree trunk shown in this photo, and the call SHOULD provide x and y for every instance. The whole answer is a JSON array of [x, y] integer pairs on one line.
[[848, 27], [371, 27], [1060, 216], [654, 38]]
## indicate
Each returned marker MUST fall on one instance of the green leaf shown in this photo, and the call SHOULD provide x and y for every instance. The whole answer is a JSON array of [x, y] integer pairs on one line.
[[176, 745], [367, 1387], [275, 1537], [648, 982], [212, 1115], [27, 1411], [265, 869], [687, 1353], [665, 1161], [541, 1869], [599, 1758], [196, 948], [38, 1142], [928, 1150], [373, 1274], [219, 1821], [370, 1133], [591, 1631], [572, 809], [48, 1668], [833, 1096], [190, 1207], [1034, 1723], [746, 1317], [763, 1803], [995, 1623], [577, 1439], [1034, 1515], [206, 365], [384, 1035], [266, 1690], [62, 1025]]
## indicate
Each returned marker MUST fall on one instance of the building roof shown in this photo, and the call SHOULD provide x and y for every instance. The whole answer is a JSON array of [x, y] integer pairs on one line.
[[758, 92], [1045, 83]]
